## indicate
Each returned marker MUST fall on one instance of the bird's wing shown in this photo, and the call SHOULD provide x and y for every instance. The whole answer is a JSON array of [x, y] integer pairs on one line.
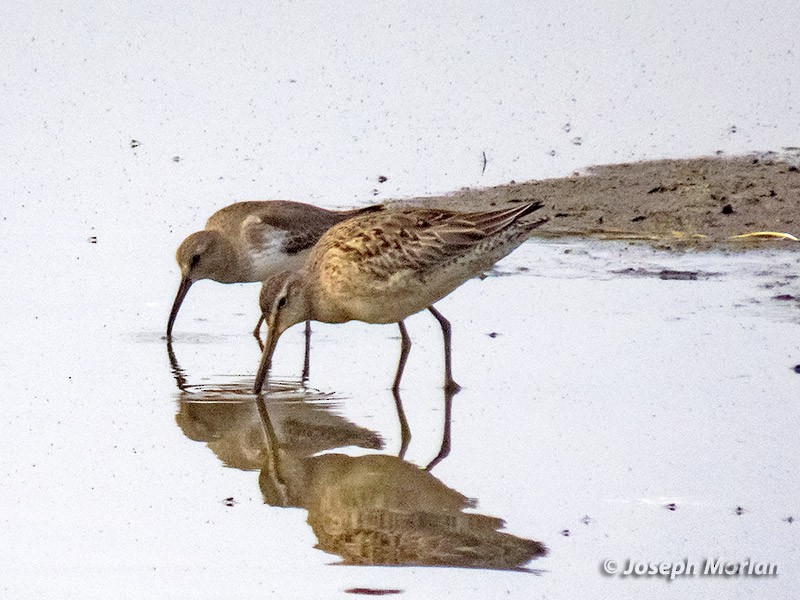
[[416, 239]]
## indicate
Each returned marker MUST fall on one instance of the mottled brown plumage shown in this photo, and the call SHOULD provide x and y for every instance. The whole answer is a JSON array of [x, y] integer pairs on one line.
[[383, 267], [381, 510]]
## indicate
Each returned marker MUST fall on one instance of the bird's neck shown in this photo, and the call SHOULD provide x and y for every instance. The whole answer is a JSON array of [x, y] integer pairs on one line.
[[232, 269], [321, 307]]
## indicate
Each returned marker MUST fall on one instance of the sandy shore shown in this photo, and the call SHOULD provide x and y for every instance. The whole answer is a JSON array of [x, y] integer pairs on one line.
[[698, 202]]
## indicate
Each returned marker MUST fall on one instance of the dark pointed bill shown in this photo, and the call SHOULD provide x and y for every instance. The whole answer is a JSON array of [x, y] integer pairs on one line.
[[262, 374], [186, 283]]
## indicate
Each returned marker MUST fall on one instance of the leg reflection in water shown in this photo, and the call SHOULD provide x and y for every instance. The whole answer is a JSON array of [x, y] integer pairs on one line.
[[405, 430]]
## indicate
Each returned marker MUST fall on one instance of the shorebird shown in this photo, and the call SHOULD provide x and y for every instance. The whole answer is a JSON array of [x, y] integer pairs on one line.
[[386, 266], [252, 241]]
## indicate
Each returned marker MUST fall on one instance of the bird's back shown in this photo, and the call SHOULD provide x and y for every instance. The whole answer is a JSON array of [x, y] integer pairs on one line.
[[269, 236], [382, 267]]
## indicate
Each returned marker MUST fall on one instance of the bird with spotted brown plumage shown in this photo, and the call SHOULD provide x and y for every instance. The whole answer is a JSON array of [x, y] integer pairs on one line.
[[385, 266]]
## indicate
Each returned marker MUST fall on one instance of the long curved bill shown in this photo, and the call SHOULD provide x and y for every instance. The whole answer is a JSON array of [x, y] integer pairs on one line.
[[262, 375], [186, 283]]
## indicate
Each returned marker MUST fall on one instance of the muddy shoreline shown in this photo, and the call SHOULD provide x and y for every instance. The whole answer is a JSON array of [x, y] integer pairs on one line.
[[685, 203]]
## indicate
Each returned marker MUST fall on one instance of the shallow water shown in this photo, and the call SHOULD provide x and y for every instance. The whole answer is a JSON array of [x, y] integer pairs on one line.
[[617, 403], [606, 394]]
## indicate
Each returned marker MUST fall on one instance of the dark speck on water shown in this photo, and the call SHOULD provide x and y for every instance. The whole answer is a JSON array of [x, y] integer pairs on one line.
[[671, 506], [371, 591], [665, 274], [796, 369], [678, 275]]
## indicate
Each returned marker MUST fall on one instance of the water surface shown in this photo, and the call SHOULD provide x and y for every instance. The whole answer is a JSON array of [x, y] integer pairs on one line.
[[617, 403]]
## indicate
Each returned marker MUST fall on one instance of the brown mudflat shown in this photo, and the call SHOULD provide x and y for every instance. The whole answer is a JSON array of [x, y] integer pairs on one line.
[[698, 202]]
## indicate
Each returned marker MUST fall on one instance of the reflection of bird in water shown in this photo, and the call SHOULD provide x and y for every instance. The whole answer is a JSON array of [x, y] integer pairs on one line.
[[230, 426], [226, 419], [372, 509], [384, 266], [382, 510], [251, 241]]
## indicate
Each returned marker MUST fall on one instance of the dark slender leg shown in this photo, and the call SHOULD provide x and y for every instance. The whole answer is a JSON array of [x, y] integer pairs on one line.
[[257, 330], [405, 431], [307, 356], [444, 450], [405, 347], [260, 344], [449, 384]]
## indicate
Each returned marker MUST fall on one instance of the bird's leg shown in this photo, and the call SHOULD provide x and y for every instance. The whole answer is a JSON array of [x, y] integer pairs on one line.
[[257, 330], [307, 356], [444, 450], [405, 431], [449, 385]]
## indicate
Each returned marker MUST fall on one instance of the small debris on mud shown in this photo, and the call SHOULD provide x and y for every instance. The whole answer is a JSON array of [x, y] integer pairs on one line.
[[660, 189]]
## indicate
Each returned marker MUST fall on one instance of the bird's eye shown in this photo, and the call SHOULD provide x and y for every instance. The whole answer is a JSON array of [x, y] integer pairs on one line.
[[282, 302], [194, 261]]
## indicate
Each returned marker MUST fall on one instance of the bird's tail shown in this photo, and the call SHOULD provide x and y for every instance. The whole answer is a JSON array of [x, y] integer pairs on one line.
[[497, 220]]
